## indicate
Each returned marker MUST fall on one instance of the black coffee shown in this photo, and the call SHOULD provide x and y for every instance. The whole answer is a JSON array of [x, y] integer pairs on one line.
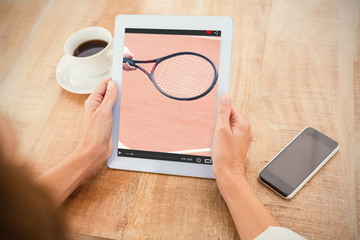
[[90, 48]]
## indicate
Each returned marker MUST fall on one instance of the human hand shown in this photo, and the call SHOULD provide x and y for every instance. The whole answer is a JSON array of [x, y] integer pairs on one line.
[[99, 121], [95, 146], [127, 66], [231, 140]]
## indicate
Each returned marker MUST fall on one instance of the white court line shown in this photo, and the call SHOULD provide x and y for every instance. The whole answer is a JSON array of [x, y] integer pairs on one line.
[[121, 145]]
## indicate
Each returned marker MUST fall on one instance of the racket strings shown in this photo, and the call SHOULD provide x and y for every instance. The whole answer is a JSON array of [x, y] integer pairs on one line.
[[184, 76]]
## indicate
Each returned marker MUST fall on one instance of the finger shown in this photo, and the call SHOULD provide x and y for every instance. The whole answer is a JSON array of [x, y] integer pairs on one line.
[[101, 87], [238, 121], [235, 116], [97, 96], [129, 55], [224, 112], [239, 115], [125, 67], [110, 96], [128, 67]]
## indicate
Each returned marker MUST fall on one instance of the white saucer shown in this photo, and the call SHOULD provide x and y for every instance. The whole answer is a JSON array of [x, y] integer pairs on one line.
[[74, 81]]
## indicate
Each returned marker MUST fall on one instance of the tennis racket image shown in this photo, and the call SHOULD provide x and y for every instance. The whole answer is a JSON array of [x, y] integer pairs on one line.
[[181, 76]]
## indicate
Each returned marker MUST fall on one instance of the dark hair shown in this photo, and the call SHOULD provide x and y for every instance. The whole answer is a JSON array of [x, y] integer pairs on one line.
[[26, 209]]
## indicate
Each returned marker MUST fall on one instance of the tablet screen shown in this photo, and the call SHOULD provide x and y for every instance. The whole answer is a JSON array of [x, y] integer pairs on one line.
[[158, 118]]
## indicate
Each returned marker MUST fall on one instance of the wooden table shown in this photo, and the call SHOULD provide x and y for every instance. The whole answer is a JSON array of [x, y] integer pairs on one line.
[[295, 63]]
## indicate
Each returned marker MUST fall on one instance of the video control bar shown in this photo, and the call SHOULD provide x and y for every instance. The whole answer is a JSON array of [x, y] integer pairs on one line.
[[165, 156], [209, 33]]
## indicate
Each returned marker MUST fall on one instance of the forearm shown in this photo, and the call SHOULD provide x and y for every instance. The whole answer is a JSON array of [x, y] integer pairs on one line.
[[64, 178], [94, 149], [249, 214]]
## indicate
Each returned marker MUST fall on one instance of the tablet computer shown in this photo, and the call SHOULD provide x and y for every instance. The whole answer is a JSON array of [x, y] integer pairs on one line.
[[170, 72]]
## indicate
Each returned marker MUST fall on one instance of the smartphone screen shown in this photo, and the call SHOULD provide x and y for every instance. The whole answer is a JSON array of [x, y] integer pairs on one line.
[[297, 161]]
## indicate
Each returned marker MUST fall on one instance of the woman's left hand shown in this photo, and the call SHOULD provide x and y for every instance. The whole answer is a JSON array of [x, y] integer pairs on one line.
[[99, 121]]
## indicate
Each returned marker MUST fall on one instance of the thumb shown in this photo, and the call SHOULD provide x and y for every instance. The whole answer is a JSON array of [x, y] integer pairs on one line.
[[224, 111], [110, 96]]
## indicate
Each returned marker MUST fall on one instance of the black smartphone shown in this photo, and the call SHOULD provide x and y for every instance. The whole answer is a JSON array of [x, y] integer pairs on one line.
[[295, 165]]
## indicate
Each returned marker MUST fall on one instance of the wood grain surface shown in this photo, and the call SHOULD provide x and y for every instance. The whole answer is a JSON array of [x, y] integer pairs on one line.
[[294, 64]]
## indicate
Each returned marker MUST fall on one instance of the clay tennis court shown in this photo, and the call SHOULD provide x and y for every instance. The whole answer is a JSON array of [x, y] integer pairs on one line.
[[151, 121]]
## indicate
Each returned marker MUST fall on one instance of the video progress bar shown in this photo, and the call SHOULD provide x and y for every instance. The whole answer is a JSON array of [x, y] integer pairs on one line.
[[165, 156]]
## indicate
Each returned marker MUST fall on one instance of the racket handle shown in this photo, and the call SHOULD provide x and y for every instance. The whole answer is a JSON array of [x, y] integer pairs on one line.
[[130, 61]]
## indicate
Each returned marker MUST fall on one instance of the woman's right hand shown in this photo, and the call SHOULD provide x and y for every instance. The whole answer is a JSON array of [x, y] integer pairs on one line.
[[231, 140], [127, 66]]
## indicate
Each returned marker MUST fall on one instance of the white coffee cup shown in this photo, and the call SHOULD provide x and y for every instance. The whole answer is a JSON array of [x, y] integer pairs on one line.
[[91, 66]]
